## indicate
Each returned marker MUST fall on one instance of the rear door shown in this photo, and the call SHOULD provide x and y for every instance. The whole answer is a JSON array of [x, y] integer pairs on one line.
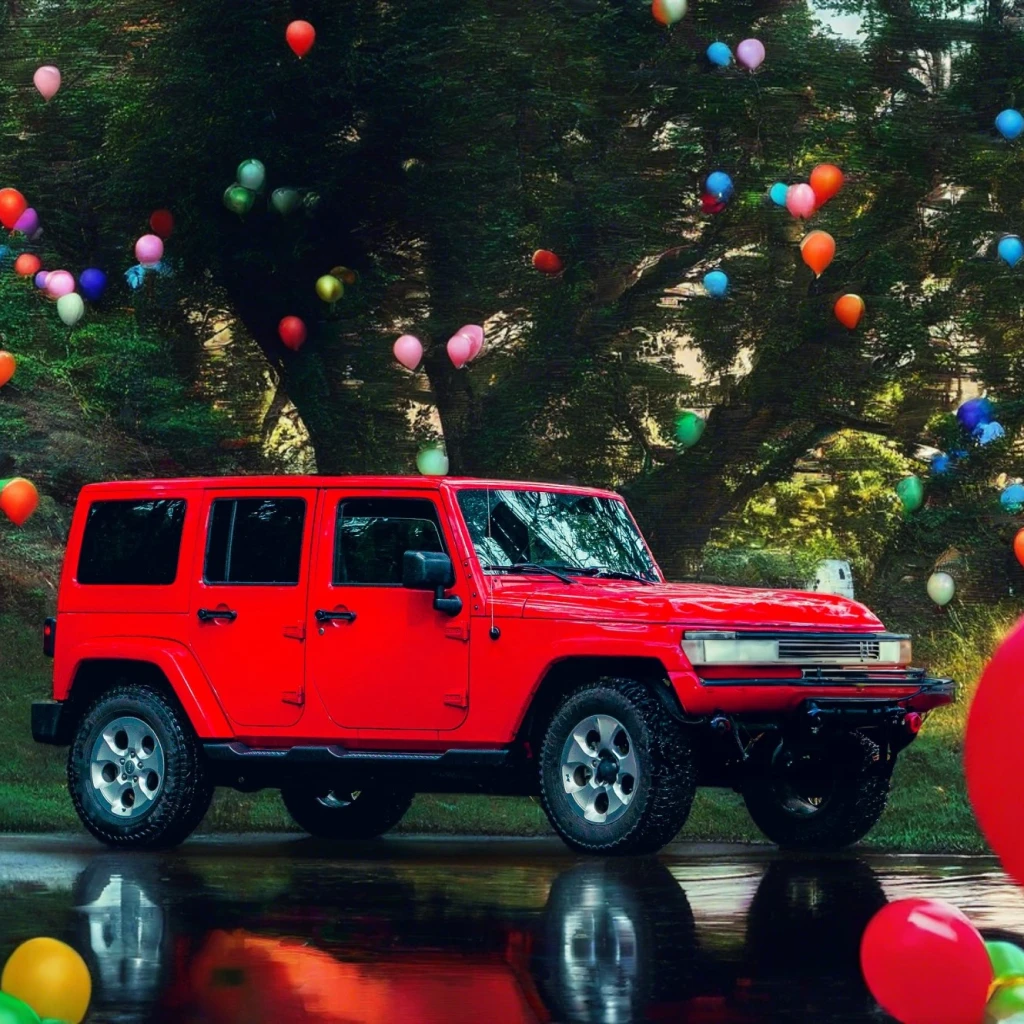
[[248, 601]]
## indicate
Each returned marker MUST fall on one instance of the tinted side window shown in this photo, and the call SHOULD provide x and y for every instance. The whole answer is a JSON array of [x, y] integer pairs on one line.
[[372, 535], [132, 543], [255, 540]]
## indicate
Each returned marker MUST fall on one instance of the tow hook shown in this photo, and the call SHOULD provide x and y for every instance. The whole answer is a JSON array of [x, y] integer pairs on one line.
[[815, 718], [722, 725]]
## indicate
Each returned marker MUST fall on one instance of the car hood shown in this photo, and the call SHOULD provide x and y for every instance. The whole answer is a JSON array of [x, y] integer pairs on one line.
[[693, 605]]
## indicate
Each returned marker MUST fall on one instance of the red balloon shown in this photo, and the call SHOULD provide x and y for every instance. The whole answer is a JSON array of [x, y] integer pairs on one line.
[[1018, 546], [292, 332], [162, 223], [711, 204], [27, 265], [925, 963], [547, 262], [19, 499], [300, 36], [12, 206]]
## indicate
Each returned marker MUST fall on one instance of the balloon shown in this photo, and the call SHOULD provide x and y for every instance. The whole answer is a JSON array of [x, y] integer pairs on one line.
[[28, 222], [711, 204], [717, 283], [12, 206], [58, 283], [7, 367], [329, 288], [284, 200], [547, 262], [47, 81], [910, 491], [40, 279], [719, 184], [689, 427], [459, 348], [300, 36], [1012, 497], [432, 462], [941, 588], [292, 332], [18, 500], [974, 412], [940, 464], [475, 333], [986, 433], [668, 12], [720, 55], [1007, 960], [251, 174], [849, 309], [1018, 542], [92, 283], [778, 193], [826, 181], [14, 1011], [817, 250], [344, 275], [925, 963], [801, 200], [48, 974], [149, 250], [238, 199], [162, 223], [408, 351], [70, 308], [1010, 124], [1010, 250], [750, 53], [27, 265], [1006, 1002]]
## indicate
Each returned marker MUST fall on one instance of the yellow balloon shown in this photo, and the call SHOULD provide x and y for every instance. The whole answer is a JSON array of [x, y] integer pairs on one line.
[[51, 977], [329, 288]]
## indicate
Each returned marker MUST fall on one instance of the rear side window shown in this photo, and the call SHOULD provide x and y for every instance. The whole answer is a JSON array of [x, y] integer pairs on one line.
[[372, 535], [131, 543], [255, 541]]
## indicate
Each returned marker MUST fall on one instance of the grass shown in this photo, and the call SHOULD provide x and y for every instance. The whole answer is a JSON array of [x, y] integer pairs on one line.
[[928, 810]]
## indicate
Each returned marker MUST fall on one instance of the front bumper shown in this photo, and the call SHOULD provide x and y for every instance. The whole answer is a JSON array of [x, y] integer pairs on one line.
[[51, 723]]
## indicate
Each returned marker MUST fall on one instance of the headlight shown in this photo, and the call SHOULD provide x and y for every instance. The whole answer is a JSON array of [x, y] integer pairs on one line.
[[714, 647], [727, 649]]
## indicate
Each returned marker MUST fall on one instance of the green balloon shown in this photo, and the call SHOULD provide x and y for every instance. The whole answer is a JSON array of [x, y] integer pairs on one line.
[[285, 200], [14, 1011], [1006, 1002], [910, 491], [1007, 960], [251, 174], [238, 199], [432, 462], [689, 428]]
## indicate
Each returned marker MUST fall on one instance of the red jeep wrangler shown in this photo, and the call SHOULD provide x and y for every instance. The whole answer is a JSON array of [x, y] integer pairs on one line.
[[355, 641]]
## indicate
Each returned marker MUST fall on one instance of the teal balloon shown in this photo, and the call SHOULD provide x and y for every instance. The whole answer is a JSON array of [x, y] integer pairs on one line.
[[689, 428], [720, 55], [251, 174], [239, 199], [14, 1011], [432, 462], [778, 193], [910, 491], [1010, 124], [1010, 250], [285, 200], [717, 284]]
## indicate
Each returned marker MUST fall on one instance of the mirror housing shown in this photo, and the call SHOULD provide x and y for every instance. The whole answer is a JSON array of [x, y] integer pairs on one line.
[[431, 570]]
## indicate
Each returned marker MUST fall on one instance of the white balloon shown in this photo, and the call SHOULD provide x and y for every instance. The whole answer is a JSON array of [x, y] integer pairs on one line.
[[941, 588], [70, 308], [432, 462]]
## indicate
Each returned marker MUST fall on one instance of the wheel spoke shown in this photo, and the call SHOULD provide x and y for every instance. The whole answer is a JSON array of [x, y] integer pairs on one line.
[[577, 752], [137, 731], [615, 800], [607, 727], [627, 764]]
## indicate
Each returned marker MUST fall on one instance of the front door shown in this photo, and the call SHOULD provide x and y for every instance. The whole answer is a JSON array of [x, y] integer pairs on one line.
[[385, 659], [248, 606]]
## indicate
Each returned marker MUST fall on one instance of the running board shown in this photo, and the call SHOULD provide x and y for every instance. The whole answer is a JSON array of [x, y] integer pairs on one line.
[[450, 760]]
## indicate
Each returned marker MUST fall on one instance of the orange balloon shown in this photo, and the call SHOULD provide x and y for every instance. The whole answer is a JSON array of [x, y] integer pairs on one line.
[[19, 499], [826, 181], [7, 365], [27, 265], [849, 310], [1018, 546], [817, 249], [12, 206]]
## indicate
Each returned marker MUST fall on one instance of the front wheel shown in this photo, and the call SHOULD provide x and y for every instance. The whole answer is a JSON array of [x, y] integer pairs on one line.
[[345, 814]]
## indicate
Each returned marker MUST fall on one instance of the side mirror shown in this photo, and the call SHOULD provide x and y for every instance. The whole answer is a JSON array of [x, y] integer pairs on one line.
[[431, 570]]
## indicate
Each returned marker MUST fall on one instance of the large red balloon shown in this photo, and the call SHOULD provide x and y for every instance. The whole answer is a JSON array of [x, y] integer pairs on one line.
[[12, 206], [992, 754], [292, 332], [19, 499], [925, 963], [162, 223], [547, 262], [300, 36]]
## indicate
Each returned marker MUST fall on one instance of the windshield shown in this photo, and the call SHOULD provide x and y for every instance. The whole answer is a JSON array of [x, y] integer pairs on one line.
[[571, 531]]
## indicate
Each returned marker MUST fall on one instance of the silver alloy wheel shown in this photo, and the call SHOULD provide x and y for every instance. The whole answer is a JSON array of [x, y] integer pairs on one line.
[[127, 766], [336, 801], [600, 771]]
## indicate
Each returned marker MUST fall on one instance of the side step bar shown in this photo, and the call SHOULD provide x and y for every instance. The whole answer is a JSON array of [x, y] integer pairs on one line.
[[239, 753]]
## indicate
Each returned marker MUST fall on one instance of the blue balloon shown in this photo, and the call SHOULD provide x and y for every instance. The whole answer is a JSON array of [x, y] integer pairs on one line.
[[1010, 124], [717, 283], [720, 54], [986, 433], [1010, 249], [4, 252], [778, 193], [92, 284], [719, 184], [941, 464], [974, 412], [1013, 495]]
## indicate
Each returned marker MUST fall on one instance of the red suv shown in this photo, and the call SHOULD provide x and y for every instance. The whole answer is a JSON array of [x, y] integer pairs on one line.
[[354, 641]]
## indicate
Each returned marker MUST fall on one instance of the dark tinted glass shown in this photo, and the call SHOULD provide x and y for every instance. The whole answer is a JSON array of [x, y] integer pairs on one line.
[[133, 543], [372, 535], [255, 540]]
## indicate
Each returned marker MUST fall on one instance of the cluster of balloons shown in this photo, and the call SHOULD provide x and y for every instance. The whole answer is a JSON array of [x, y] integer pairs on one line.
[[689, 428], [750, 53], [330, 287], [47, 81], [44, 981], [300, 36], [1009, 124], [17, 215], [241, 194], [432, 462], [463, 347], [804, 198]]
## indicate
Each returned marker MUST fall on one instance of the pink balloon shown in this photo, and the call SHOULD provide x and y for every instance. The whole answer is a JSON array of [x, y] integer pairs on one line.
[[58, 283], [408, 351], [47, 81], [28, 222], [475, 333], [459, 348], [149, 249], [750, 53], [801, 200]]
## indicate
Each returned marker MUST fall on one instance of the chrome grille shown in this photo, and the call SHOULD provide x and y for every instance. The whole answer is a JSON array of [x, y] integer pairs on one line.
[[826, 649]]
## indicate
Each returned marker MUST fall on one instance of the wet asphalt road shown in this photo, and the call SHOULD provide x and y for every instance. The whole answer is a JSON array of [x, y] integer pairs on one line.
[[247, 930]]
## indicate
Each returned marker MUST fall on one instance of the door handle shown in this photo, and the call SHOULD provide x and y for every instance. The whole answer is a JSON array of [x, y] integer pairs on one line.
[[322, 616], [206, 614]]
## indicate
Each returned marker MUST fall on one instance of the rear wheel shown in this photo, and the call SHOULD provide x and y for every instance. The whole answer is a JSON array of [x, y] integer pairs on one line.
[[345, 814]]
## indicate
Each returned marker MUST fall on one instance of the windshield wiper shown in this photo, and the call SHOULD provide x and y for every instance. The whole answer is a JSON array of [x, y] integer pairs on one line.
[[620, 574], [530, 567]]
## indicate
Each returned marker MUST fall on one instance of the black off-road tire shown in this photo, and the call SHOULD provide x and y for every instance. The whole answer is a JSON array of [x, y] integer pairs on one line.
[[186, 790], [666, 780], [856, 802], [370, 814]]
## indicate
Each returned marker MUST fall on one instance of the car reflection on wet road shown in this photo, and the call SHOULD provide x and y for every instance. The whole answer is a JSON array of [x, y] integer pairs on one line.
[[276, 930]]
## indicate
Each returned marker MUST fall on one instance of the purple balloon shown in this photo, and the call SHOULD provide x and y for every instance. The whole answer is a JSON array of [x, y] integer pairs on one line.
[[40, 278], [974, 413], [92, 284], [28, 222], [750, 53]]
